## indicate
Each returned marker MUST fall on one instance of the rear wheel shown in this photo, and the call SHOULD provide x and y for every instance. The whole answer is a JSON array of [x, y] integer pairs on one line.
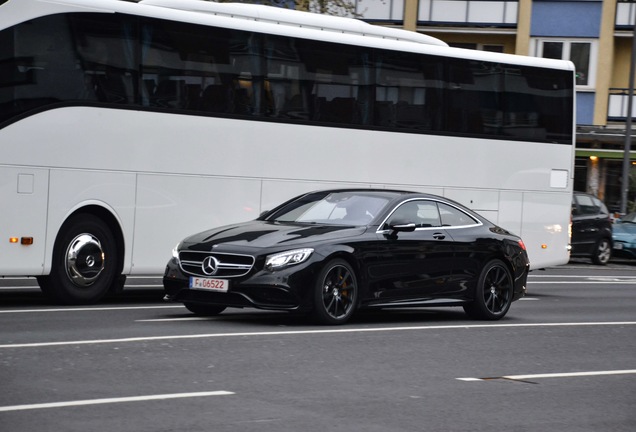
[[493, 294], [336, 293], [602, 252], [204, 309], [85, 262]]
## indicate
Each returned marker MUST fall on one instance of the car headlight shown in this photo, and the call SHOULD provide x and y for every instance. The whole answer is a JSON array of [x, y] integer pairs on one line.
[[175, 251], [279, 260]]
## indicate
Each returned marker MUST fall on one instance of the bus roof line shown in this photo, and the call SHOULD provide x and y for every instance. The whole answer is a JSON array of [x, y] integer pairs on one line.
[[295, 18]]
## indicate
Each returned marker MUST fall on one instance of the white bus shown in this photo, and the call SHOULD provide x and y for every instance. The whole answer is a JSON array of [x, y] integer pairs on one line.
[[125, 126]]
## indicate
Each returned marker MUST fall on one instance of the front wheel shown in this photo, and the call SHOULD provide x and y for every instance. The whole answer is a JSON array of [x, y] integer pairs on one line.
[[602, 252], [493, 294], [335, 293], [85, 262]]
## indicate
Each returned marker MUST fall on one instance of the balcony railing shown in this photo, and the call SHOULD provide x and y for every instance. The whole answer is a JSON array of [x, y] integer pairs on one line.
[[625, 14], [617, 108], [447, 12], [374, 10], [469, 12]]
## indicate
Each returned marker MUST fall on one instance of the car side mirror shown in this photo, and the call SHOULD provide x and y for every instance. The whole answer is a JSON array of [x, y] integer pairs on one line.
[[401, 226]]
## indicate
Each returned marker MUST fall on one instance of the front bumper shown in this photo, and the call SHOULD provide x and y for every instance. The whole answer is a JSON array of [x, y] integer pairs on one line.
[[624, 249], [287, 289]]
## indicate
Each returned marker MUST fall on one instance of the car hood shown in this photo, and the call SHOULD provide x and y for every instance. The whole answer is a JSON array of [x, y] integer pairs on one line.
[[624, 230], [260, 234]]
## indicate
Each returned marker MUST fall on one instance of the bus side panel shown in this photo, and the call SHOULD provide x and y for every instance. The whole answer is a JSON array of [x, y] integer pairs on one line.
[[484, 202], [510, 210], [74, 190], [546, 219], [24, 193], [170, 208]]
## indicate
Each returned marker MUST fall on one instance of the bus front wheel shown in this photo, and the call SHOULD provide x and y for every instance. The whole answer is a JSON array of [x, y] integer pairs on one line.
[[84, 262]]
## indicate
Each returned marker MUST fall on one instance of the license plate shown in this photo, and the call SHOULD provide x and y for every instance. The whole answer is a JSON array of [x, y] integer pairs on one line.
[[207, 284], [618, 245]]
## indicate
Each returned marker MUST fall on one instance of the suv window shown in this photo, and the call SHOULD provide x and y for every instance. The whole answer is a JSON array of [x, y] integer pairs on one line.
[[588, 205]]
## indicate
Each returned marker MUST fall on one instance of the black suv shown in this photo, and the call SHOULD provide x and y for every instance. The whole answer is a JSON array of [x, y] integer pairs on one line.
[[591, 228]]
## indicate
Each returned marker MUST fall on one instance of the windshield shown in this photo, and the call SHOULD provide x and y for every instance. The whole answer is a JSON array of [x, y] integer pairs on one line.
[[630, 218], [335, 208]]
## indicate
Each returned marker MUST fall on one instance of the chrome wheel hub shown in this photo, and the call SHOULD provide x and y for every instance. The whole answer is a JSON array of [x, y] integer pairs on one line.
[[84, 260]]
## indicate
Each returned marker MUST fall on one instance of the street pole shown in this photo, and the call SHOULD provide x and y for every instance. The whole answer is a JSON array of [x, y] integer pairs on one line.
[[628, 128]]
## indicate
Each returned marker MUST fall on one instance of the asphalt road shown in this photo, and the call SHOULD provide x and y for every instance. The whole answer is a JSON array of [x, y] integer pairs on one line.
[[564, 359]]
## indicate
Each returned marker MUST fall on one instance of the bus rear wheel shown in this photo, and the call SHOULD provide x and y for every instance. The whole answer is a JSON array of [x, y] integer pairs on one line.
[[84, 262]]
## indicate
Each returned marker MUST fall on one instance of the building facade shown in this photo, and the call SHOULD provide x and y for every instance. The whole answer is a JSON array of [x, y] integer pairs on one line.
[[595, 35]]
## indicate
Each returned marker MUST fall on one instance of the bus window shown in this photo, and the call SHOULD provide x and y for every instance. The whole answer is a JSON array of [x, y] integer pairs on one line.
[[106, 49]]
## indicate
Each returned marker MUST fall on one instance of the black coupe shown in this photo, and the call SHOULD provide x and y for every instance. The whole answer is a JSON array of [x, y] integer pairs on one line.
[[329, 253]]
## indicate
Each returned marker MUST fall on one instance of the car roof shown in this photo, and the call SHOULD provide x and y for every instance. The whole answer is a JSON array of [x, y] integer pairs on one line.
[[389, 193]]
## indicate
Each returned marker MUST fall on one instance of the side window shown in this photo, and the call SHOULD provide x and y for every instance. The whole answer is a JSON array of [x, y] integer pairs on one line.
[[192, 68], [422, 213], [587, 206], [408, 91], [575, 209], [452, 216], [600, 206], [106, 49]]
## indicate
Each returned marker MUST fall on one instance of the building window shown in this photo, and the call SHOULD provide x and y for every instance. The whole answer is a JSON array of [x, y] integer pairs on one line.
[[582, 53]]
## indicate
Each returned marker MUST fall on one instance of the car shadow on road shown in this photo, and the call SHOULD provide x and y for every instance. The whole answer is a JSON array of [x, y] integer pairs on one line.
[[271, 319]]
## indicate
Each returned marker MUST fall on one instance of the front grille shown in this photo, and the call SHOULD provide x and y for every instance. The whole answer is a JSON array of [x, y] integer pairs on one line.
[[228, 265]]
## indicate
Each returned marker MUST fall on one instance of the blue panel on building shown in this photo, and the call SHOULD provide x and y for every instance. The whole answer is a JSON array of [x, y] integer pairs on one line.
[[566, 19], [585, 108]]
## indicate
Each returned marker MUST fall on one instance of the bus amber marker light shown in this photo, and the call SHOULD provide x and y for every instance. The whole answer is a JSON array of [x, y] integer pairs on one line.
[[23, 241]]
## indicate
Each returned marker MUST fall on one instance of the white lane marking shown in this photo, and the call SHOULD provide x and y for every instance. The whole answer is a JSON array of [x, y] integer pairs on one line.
[[588, 282], [307, 332], [84, 309], [554, 375], [113, 400], [581, 276], [20, 288], [192, 318]]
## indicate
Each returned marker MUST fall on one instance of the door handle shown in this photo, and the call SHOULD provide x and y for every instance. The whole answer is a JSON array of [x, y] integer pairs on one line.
[[439, 236]]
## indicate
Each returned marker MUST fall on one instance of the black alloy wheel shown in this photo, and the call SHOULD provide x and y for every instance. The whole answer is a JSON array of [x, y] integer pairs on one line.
[[493, 294], [336, 293]]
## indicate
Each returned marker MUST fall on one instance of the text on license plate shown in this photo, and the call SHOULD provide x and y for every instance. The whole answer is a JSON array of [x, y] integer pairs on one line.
[[220, 285]]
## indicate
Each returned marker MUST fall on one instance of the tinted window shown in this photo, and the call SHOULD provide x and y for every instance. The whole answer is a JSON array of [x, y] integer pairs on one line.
[[67, 58], [422, 213], [452, 216], [589, 205], [165, 65]]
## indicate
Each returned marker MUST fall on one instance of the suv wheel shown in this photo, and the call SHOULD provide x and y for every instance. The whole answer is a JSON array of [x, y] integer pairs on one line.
[[602, 252]]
